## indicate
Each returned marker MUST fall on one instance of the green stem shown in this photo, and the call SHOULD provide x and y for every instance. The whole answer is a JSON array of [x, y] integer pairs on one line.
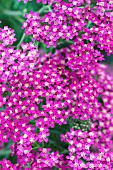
[[21, 40], [108, 10], [81, 6], [35, 148], [11, 12], [47, 7]]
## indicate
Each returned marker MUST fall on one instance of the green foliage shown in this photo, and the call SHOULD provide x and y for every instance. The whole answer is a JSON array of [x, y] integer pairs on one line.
[[2, 108], [6, 93], [78, 124], [54, 168], [6, 153], [12, 14], [100, 100]]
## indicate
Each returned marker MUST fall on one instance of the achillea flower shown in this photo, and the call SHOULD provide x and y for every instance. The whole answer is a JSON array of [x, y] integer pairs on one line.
[[69, 22], [40, 93], [46, 96], [102, 121], [7, 36], [15, 61], [79, 149], [6, 164]]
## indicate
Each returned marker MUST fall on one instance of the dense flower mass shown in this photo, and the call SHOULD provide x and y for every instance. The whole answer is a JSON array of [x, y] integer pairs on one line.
[[49, 99], [13, 61], [69, 21], [51, 94], [103, 122], [56, 109], [79, 150]]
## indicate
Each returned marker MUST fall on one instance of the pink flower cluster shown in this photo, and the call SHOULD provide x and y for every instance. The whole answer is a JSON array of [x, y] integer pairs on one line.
[[63, 90], [68, 21], [66, 89], [7, 36], [13, 60], [80, 144]]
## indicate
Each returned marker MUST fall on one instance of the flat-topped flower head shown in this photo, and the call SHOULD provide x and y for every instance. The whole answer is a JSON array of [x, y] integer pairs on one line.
[[67, 21], [56, 108], [7, 36], [15, 61]]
